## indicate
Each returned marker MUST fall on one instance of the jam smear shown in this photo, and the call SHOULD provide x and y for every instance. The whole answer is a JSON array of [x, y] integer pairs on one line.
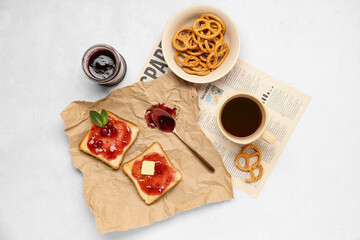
[[109, 141], [163, 120], [149, 121], [163, 176]]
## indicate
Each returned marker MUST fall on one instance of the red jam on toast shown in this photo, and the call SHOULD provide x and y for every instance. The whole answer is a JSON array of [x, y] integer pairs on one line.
[[163, 176], [109, 141]]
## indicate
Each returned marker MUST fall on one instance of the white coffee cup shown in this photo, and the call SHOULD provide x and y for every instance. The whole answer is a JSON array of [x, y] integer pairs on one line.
[[253, 116]]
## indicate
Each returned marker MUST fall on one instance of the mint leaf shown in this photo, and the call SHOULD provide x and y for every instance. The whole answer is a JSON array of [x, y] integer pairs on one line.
[[96, 118], [104, 117]]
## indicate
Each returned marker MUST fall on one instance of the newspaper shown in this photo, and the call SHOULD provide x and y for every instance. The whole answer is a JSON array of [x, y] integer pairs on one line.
[[284, 103]]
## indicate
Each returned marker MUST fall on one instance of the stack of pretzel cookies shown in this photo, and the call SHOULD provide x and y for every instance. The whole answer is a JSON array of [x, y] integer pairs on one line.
[[200, 49], [246, 167]]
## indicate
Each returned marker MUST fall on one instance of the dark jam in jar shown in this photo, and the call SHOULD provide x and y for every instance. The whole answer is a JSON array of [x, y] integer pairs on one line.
[[163, 176], [150, 122], [102, 64]]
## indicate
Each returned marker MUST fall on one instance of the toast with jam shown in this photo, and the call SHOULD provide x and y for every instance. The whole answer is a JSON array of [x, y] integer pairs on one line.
[[152, 173], [109, 141]]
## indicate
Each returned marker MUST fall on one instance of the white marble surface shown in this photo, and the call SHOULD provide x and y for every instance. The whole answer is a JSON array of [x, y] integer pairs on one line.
[[314, 46]]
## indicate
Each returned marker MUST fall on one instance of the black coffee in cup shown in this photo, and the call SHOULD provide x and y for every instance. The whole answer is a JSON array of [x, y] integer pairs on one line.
[[241, 117]]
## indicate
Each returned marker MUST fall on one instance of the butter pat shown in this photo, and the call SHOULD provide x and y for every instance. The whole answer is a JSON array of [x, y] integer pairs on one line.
[[148, 168]]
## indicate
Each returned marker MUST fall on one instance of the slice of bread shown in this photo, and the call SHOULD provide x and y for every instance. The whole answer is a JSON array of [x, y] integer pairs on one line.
[[127, 168], [115, 163]]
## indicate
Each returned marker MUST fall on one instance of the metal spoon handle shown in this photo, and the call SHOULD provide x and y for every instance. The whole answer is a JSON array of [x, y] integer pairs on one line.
[[203, 161]]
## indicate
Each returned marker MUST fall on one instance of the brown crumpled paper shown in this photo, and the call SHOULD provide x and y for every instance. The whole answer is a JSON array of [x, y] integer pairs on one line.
[[110, 194]]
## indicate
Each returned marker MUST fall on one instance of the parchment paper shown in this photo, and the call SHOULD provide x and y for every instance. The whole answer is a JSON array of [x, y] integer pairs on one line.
[[110, 194]]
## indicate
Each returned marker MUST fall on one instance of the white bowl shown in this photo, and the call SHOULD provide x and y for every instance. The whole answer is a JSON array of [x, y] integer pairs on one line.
[[185, 18]]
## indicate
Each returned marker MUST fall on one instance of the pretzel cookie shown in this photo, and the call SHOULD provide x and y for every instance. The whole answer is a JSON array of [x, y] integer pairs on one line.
[[253, 177]]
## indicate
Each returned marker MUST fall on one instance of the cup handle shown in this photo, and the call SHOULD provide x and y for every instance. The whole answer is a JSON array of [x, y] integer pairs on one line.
[[268, 137]]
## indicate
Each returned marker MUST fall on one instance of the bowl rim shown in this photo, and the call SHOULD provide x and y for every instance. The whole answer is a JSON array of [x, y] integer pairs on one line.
[[206, 8]]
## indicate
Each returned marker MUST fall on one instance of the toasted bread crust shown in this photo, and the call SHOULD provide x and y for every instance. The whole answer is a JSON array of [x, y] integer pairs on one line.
[[127, 167], [115, 163]]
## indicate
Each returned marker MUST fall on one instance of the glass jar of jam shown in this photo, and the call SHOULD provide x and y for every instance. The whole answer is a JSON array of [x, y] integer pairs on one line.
[[104, 65]]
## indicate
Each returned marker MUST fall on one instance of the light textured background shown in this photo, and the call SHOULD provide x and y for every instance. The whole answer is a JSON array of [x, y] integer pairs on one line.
[[314, 46]]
